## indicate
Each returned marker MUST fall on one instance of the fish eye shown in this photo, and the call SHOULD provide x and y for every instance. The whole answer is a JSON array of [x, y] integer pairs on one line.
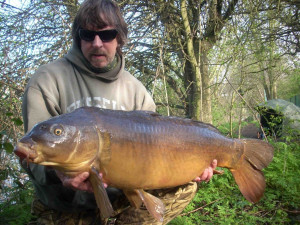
[[58, 131]]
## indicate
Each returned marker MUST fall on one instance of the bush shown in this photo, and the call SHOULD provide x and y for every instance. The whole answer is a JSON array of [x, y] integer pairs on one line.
[[16, 210]]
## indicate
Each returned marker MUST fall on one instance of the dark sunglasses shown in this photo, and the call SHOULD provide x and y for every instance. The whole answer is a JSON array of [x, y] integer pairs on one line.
[[105, 35]]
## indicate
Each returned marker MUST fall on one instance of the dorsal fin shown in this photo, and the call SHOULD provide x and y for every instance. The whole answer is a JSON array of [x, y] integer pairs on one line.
[[187, 120], [207, 125]]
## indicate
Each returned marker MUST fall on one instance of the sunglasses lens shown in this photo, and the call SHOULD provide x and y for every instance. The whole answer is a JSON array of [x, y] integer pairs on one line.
[[105, 35], [86, 35], [108, 35]]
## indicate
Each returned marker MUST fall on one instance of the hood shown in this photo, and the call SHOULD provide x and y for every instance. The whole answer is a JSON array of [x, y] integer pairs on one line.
[[111, 72]]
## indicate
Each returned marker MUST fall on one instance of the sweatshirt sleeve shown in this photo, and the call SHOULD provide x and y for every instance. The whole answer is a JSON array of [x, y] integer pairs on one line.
[[38, 105], [41, 98]]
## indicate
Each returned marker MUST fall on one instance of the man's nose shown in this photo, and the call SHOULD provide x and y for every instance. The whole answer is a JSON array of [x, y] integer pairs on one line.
[[97, 42]]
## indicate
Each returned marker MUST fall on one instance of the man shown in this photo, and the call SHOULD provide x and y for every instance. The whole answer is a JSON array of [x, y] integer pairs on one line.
[[91, 74]]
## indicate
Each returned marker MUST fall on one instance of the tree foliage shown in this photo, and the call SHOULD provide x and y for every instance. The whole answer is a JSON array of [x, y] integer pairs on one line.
[[189, 33]]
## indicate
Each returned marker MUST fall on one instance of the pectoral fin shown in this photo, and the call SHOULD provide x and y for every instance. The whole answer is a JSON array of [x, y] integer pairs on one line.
[[101, 196], [153, 204]]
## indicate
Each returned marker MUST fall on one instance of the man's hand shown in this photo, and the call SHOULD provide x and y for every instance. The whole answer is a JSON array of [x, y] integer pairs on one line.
[[208, 172], [80, 182]]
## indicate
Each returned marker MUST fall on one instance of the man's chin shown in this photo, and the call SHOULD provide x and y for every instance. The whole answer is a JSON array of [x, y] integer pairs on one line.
[[99, 65]]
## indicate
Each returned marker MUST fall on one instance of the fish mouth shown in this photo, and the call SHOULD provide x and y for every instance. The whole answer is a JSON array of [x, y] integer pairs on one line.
[[26, 151]]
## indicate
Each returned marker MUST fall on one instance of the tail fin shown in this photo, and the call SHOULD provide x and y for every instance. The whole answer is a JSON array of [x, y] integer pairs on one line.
[[247, 172]]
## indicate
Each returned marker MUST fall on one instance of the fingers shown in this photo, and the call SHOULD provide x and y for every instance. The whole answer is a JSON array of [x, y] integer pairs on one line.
[[214, 164], [203, 176], [79, 182], [207, 173], [197, 179], [210, 170]]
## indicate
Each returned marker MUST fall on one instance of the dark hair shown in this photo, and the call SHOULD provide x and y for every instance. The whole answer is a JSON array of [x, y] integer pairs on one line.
[[99, 14]]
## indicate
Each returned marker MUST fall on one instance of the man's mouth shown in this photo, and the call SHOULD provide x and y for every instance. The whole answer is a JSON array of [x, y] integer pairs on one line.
[[98, 55]]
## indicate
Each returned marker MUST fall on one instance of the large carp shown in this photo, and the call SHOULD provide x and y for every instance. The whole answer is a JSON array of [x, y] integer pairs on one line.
[[141, 150]]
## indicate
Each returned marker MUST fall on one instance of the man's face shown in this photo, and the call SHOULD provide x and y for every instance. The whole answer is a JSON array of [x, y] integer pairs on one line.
[[97, 52]]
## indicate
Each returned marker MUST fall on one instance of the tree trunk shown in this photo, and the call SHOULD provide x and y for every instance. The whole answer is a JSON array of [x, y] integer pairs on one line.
[[206, 91], [197, 79]]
